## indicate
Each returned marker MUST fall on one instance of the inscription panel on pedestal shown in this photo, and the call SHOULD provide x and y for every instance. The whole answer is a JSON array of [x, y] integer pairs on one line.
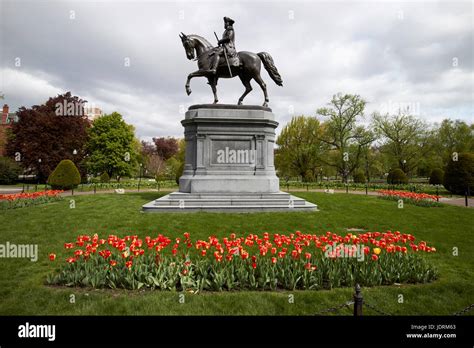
[[232, 151]]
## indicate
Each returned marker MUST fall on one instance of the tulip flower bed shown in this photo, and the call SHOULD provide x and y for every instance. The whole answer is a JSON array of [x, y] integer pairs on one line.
[[21, 200], [421, 199], [252, 262]]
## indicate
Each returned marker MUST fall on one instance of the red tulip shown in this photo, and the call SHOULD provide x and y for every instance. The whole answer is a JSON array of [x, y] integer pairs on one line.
[[52, 257], [254, 265], [71, 260], [274, 260], [113, 263], [375, 257], [128, 264]]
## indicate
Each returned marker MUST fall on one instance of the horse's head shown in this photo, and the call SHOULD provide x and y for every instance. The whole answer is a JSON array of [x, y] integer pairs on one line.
[[188, 46]]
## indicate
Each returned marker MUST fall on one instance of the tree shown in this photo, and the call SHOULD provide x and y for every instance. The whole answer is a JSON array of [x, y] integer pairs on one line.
[[65, 176], [111, 146], [166, 147], [299, 148], [454, 136], [459, 174], [406, 139], [175, 164], [46, 134], [153, 162], [9, 171], [345, 138]]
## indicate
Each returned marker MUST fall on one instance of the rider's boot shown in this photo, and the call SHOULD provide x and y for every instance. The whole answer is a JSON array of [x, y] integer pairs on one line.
[[214, 64]]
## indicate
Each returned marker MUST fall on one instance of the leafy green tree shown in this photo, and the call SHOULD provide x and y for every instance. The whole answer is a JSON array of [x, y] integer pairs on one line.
[[299, 148], [345, 138], [112, 146], [175, 164], [65, 176], [406, 139], [454, 136]]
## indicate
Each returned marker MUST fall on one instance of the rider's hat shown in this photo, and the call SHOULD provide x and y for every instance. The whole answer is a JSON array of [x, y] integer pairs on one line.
[[228, 20]]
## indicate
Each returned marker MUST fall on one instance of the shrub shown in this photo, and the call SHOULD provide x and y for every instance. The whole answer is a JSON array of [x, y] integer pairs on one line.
[[437, 176], [359, 177], [459, 175], [65, 176], [104, 177], [9, 171], [397, 177]]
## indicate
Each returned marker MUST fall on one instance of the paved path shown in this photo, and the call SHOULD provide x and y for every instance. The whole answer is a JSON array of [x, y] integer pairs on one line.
[[458, 201]]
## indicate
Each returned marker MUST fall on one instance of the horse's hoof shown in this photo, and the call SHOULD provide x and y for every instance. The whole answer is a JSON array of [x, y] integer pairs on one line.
[[265, 104], [215, 102], [239, 103], [188, 91]]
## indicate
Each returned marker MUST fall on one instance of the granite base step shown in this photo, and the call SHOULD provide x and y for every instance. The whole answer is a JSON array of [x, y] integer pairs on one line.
[[239, 203]]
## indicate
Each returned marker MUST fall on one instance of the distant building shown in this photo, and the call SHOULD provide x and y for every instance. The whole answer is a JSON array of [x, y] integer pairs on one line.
[[8, 118], [93, 113]]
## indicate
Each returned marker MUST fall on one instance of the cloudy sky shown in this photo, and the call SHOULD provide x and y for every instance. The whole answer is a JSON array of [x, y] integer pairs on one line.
[[417, 54]]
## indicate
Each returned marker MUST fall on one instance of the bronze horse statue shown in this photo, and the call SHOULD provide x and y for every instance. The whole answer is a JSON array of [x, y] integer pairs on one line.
[[198, 48]]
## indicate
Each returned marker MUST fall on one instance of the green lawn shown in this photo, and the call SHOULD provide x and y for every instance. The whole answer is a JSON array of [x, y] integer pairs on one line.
[[22, 289]]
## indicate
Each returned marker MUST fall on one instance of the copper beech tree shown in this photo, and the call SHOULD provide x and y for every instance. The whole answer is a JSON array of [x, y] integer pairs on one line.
[[48, 133]]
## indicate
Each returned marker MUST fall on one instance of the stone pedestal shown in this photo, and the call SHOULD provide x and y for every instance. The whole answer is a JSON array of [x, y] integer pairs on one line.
[[229, 163]]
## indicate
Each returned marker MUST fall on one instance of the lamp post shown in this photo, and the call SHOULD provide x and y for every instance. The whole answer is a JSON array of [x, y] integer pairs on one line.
[[140, 177], [38, 173]]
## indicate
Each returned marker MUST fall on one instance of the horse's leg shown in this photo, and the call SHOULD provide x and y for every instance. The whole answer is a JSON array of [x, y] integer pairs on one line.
[[213, 84], [248, 88], [197, 73], [262, 84]]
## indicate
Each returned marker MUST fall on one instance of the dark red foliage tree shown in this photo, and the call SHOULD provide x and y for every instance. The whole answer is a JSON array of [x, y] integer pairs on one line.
[[49, 132], [166, 147]]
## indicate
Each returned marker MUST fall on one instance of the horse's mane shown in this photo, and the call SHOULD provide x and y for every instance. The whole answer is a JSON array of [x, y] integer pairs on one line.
[[201, 39]]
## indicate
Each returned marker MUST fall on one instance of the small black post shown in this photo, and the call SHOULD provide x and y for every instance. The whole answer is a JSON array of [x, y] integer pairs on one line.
[[347, 188], [466, 201], [307, 188], [358, 300], [94, 188], [437, 193], [72, 191], [366, 189]]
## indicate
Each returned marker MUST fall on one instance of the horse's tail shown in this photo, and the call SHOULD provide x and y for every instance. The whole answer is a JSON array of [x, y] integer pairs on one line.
[[271, 68]]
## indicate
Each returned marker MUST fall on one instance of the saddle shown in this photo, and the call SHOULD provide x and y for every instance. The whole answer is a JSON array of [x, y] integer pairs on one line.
[[233, 61]]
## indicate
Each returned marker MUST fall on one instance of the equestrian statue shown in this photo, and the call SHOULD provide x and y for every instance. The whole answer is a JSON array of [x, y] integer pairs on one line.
[[224, 61]]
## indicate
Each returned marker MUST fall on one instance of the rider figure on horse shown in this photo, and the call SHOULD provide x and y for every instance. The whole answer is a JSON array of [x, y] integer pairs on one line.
[[225, 45]]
